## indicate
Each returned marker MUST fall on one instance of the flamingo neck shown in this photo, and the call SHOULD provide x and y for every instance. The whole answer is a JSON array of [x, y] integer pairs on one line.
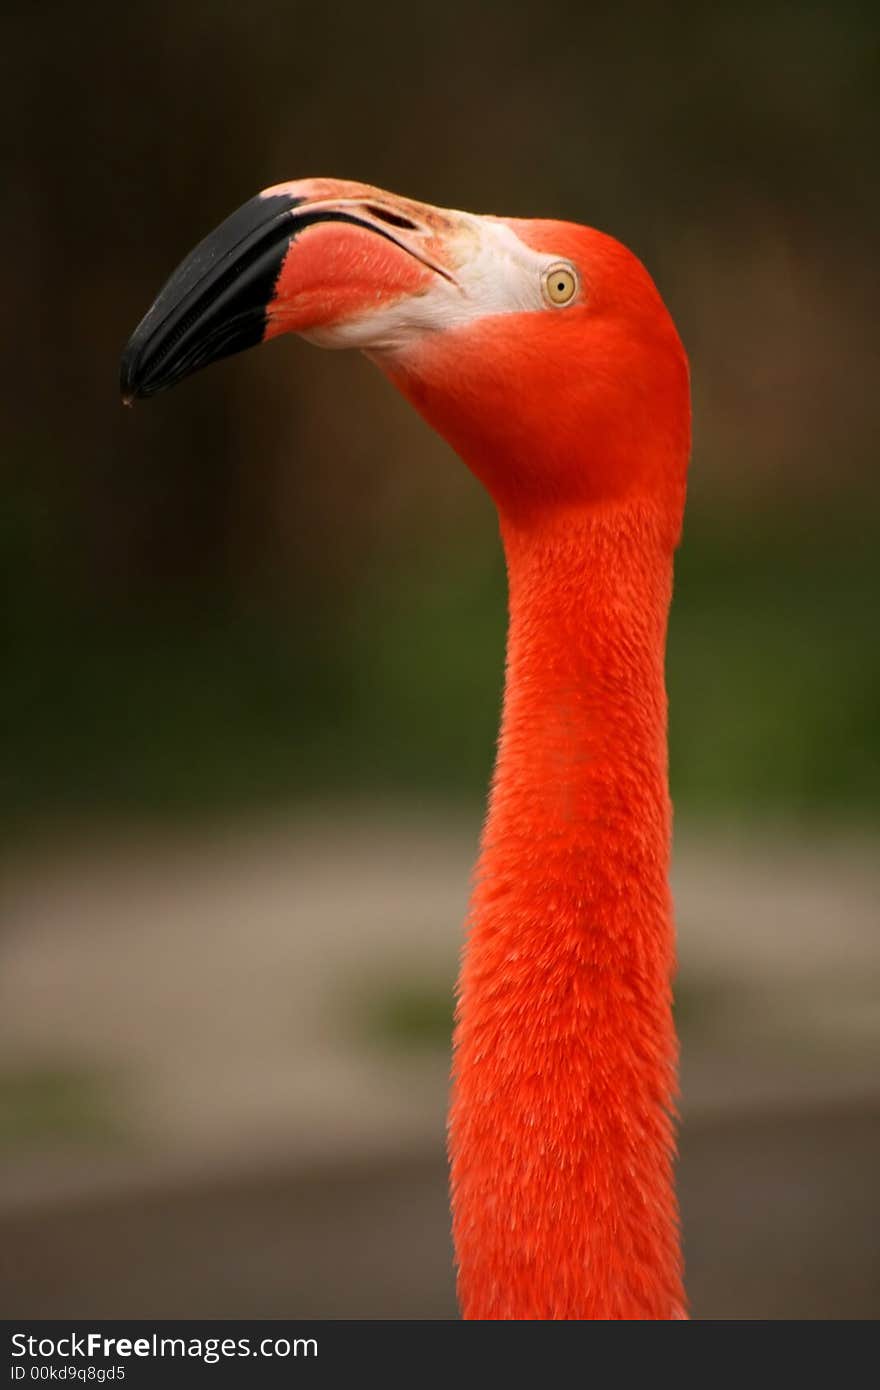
[[561, 1135]]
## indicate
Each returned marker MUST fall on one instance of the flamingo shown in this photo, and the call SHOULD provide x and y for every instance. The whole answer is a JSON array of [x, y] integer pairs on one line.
[[543, 353]]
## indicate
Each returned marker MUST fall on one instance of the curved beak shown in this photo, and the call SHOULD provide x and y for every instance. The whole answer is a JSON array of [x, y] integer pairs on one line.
[[321, 257]]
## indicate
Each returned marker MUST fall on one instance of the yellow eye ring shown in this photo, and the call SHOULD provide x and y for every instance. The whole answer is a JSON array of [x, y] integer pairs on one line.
[[560, 284]]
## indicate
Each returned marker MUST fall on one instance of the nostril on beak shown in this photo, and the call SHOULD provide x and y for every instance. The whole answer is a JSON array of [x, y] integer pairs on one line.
[[394, 219]]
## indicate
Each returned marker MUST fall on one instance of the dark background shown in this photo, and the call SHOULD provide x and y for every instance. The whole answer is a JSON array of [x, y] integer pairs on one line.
[[268, 609]]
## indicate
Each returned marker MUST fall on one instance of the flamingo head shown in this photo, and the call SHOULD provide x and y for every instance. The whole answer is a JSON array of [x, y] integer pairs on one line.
[[541, 350]]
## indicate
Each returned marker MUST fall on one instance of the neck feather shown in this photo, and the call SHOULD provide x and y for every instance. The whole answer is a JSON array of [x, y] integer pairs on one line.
[[561, 1131]]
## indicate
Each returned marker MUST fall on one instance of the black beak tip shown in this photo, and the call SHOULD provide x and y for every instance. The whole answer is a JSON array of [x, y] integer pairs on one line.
[[127, 378], [215, 303], [138, 377]]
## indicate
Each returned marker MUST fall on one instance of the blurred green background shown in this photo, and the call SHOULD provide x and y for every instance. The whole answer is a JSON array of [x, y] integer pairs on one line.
[[243, 605]]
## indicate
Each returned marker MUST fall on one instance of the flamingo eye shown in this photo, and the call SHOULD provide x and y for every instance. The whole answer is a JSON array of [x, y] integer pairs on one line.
[[560, 284]]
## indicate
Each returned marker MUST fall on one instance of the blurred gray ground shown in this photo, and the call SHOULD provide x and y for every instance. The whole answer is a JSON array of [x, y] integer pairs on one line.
[[267, 1136]]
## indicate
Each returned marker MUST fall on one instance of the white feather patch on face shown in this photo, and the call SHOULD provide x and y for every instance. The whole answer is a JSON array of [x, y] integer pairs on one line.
[[494, 273]]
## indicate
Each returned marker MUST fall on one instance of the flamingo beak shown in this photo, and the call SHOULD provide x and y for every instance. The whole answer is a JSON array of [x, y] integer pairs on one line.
[[321, 257]]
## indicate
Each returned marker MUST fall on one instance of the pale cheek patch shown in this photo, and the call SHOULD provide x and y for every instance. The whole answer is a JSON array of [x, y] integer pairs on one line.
[[501, 275], [495, 274]]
